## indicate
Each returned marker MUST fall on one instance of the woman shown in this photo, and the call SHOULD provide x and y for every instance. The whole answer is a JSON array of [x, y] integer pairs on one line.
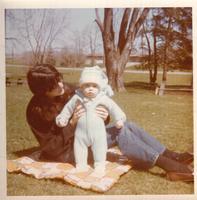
[[56, 144]]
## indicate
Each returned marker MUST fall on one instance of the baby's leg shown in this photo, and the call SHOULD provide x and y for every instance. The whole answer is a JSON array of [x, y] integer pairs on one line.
[[99, 169], [99, 149], [81, 154]]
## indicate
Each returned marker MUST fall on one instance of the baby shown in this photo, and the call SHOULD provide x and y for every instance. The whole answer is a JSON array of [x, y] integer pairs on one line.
[[90, 131]]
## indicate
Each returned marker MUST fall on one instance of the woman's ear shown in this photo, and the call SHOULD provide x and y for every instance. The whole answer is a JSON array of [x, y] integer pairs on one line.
[[61, 84]]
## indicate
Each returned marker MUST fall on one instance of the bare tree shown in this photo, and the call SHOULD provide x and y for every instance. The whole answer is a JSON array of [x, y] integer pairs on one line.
[[117, 54], [150, 32], [79, 48], [39, 28], [11, 40], [93, 40]]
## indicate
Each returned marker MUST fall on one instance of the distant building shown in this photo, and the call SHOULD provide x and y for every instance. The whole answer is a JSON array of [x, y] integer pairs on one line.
[[99, 59]]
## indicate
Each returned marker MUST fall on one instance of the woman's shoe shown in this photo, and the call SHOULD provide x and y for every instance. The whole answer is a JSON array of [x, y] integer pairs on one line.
[[177, 176], [186, 158]]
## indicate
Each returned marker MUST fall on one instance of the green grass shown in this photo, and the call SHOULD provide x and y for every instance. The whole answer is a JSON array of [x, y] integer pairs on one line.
[[73, 76], [168, 118]]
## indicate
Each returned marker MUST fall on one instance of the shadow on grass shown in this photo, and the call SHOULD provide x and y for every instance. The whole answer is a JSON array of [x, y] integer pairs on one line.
[[162, 175], [150, 86], [141, 85], [26, 152]]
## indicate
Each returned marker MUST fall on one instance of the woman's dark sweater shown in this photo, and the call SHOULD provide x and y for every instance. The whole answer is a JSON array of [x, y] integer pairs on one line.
[[56, 143]]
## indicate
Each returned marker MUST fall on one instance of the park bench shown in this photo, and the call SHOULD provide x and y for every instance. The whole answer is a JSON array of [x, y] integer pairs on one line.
[[19, 81], [14, 80], [8, 82], [179, 89]]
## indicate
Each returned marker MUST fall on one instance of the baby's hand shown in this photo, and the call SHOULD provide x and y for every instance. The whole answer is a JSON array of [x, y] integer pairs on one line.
[[119, 124], [60, 121]]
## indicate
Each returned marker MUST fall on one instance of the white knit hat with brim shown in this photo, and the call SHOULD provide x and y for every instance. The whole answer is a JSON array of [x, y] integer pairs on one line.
[[90, 76], [96, 75]]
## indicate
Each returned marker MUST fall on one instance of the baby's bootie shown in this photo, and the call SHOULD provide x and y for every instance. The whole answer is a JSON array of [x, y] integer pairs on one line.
[[80, 168], [99, 171]]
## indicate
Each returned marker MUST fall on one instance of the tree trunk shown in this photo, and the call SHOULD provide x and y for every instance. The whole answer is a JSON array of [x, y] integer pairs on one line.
[[93, 60], [114, 72], [116, 79], [164, 78], [116, 55], [165, 65], [162, 88], [154, 78], [115, 65], [151, 80]]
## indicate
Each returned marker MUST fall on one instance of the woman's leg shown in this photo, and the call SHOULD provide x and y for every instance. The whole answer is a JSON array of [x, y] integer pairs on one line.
[[156, 145], [175, 171], [170, 165], [134, 132], [112, 133], [145, 137], [184, 157], [138, 145], [145, 151]]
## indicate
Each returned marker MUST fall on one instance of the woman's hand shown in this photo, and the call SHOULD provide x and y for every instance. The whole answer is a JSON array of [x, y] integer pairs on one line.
[[102, 112], [119, 124], [78, 112]]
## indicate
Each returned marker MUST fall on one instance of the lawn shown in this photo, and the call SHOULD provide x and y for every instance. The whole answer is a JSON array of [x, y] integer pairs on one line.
[[168, 118]]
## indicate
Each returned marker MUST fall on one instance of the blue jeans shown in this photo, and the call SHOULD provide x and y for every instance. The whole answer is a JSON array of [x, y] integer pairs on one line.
[[136, 144]]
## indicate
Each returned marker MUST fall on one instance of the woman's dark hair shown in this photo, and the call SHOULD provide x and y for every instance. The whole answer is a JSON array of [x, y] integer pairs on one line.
[[43, 78]]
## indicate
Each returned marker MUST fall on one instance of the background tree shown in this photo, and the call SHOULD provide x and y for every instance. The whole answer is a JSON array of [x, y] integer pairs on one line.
[[12, 42], [117, 52], [182, 51], [79, 48], [168, 41], [50, 57], [150, 33], [173, 31], [69, 58], [93, 41], [39, 28]]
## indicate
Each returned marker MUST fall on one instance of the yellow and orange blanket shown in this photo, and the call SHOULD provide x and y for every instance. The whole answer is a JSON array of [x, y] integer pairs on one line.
[[51, 170]]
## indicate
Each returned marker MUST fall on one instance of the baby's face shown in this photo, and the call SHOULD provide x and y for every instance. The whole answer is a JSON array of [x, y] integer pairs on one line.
[[90, 90]]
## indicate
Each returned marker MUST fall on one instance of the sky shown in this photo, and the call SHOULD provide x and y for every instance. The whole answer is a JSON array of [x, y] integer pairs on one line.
[[81, 18], [78, 20]]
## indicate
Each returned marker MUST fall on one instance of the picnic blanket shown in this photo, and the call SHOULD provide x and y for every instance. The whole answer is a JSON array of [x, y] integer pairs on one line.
[[53, 170]]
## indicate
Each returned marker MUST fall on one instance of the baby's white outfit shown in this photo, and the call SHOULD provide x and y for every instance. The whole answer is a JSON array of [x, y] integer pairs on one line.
[[90, 129]]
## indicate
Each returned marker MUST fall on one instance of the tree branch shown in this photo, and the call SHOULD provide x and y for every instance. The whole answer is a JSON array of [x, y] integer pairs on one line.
[[98, 20], [132, 23], [123, 28], [108, 19], [140, 20]]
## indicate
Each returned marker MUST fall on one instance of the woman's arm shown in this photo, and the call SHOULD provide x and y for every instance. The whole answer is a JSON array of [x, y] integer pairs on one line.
[[55, 141], [41, 119], [103, 113]]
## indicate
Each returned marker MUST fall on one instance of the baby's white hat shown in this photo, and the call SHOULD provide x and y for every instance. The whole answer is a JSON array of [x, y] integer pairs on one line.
[[96, 75]]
